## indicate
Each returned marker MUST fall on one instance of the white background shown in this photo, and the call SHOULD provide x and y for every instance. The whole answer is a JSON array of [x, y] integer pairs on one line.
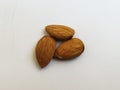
[[97, 23]]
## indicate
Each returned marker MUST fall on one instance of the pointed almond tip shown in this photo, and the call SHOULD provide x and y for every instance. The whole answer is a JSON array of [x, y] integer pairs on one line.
[[42, 66]]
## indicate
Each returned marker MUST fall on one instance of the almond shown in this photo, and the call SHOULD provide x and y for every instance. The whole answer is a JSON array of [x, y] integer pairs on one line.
[[60, 32], [69, 49], [45, 50]]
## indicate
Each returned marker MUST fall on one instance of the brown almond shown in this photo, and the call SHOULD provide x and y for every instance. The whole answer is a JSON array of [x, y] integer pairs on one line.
[[69, 49], [45, 50], [60, 32]]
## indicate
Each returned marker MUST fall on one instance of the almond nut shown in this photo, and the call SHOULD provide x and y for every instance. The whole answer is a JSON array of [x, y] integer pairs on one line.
[[60, 32], [69, 49], [45, 50]]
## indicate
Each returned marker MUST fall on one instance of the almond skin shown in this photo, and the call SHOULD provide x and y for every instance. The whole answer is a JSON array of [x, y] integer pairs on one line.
[[69, 49], [45, 50], [60, 32]]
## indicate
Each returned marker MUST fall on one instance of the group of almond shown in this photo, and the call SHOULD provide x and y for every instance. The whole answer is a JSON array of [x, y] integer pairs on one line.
[[69, 48]]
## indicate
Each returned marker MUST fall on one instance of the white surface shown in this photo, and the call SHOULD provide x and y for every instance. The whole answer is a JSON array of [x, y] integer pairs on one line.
[[97, 23]]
